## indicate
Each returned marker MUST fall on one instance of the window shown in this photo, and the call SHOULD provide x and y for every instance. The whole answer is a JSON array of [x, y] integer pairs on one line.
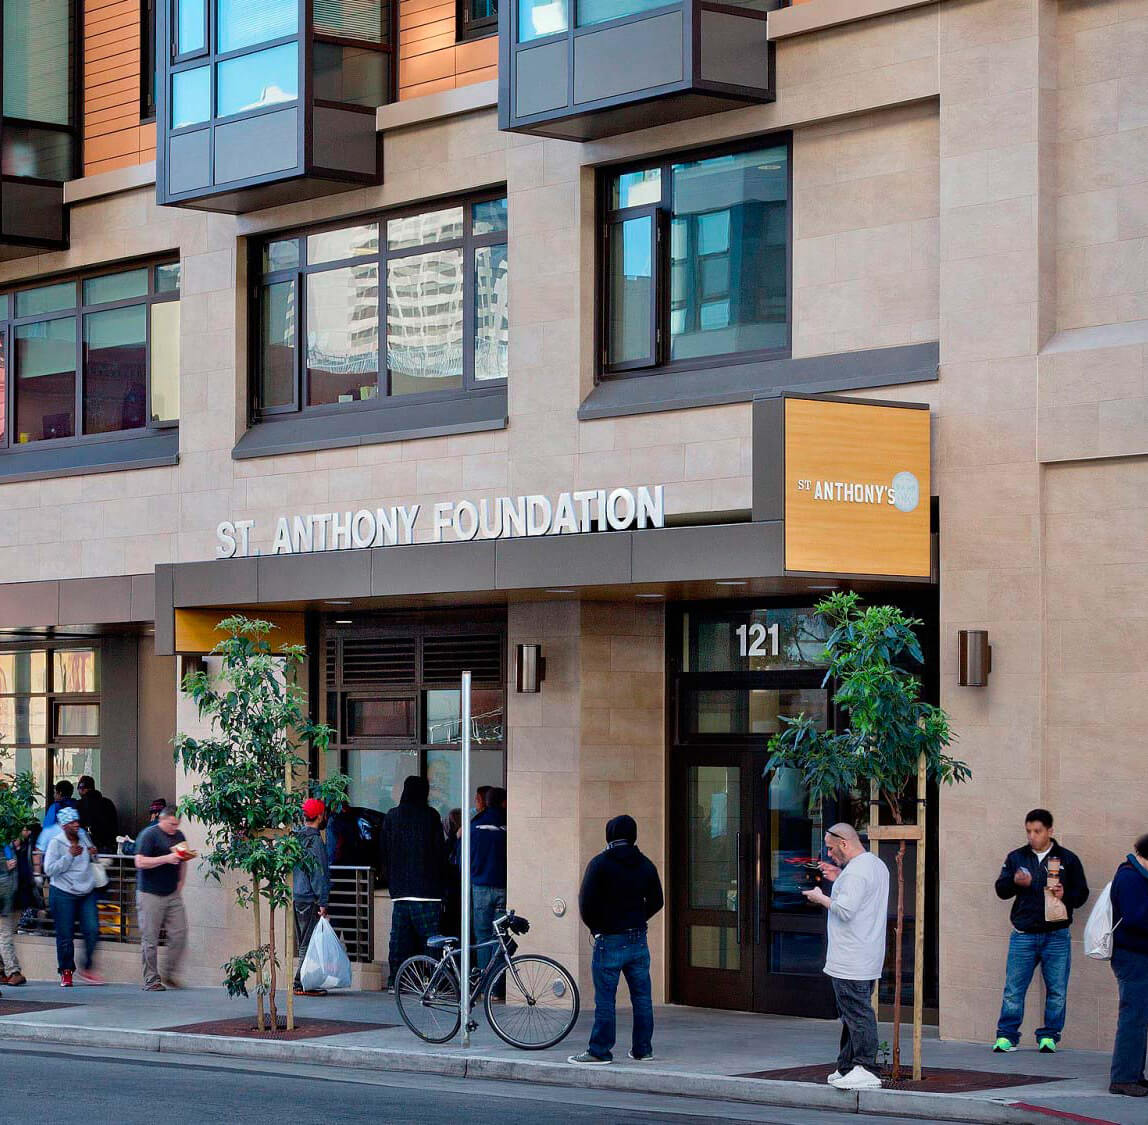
[[477, 18], [695, 269], [93, 356], [147, 59], [540, 18], [50, 714], [391, 308]]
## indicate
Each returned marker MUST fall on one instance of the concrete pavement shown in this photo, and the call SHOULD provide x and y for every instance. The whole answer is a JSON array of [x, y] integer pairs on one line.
[[700, 1053]]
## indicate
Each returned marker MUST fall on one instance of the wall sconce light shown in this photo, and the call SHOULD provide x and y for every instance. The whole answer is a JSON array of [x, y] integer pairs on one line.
[[531, 669], [974, 657]]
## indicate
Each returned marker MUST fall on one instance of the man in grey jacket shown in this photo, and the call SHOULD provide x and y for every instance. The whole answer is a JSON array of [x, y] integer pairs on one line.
[[311, 884]]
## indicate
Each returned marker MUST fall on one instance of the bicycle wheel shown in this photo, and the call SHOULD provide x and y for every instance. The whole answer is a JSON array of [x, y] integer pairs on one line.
[[428, 1000], [541, 1004]]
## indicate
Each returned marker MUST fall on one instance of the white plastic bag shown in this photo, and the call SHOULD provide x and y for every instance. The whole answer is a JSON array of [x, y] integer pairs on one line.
[[1098, 930], [326, 964]]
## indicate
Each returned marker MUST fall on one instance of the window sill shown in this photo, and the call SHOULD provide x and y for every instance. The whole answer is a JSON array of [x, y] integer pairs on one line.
[[404, 422], [740, 382], [37, 461]]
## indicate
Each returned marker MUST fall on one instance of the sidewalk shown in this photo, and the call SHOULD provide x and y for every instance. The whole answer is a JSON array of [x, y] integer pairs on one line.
[[700, 1052]]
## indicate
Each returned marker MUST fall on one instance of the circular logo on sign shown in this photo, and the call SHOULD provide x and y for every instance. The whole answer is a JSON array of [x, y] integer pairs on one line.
[[906, 492]]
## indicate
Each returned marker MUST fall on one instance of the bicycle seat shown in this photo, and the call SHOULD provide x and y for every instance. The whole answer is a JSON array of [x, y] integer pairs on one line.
[[441, 941]]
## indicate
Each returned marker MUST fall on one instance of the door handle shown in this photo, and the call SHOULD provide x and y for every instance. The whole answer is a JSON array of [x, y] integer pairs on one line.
[[737, 891], [759, 884]]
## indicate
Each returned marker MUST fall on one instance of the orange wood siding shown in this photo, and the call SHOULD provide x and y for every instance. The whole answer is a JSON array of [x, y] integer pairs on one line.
[[114, 137], [429, 58]]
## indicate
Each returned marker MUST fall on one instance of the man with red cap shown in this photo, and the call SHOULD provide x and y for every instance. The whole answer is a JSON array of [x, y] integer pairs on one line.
[[311, 884]]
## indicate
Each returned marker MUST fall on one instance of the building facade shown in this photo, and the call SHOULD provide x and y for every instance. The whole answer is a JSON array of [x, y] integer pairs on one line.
[[584, 282]]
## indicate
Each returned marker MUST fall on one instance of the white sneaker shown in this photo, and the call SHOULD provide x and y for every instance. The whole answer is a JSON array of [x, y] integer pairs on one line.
[[858, 1079], [834, 1078]]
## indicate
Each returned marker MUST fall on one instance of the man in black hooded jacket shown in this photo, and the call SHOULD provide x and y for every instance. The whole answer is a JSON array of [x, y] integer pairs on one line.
[[620, 893], [414, 856]]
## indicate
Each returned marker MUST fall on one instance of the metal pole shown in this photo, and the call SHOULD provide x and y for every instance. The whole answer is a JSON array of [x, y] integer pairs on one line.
[[464, 865], [919, 920]]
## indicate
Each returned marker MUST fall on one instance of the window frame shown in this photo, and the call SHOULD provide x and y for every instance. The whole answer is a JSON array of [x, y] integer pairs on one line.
[[149, 60], [606, 216], [79, 312], [467, 29], [469, 243]]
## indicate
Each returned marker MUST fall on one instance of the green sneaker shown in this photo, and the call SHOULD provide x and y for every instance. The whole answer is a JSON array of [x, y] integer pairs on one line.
[[1046, 1046], [1003, 1045]]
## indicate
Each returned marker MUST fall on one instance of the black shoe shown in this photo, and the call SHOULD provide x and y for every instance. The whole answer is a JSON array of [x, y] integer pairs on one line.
[[1129, 1089]]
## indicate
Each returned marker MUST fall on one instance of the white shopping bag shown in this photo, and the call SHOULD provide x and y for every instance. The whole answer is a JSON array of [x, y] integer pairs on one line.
[[326, 964]]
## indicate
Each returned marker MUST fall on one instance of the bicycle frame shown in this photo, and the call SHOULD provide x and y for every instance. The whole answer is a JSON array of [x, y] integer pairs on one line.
[[453, 958]]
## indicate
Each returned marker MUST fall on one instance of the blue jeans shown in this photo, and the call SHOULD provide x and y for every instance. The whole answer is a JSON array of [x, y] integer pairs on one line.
[[66, 909], [1131, 970], [488, 903], [625, 954], [1053, 953]]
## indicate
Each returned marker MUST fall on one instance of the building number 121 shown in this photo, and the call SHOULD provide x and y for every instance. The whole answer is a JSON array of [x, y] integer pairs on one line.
[[752, 638]]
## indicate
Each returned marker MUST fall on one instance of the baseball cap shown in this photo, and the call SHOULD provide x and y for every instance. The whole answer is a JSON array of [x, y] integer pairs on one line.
[[313, 808]]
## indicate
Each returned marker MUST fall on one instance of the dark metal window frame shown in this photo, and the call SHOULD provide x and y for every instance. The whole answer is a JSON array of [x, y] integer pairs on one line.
[[469, 243], [607, 216], [149, 60], [79, 311], [467, 29]]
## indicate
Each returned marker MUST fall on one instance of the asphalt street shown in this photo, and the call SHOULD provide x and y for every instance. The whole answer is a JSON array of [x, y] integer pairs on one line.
[[139, 1089]]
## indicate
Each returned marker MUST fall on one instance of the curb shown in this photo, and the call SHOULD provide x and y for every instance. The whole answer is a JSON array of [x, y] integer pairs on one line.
[[790, 1095]]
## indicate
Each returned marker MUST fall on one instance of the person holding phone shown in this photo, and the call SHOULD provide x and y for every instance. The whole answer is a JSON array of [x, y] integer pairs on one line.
[[68, 864]]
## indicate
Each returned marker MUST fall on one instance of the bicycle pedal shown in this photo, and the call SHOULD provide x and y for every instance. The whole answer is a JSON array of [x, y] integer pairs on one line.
[[471, 1025]]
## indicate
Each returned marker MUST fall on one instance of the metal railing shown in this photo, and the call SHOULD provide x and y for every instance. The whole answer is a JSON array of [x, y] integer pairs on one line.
[[351, 907]]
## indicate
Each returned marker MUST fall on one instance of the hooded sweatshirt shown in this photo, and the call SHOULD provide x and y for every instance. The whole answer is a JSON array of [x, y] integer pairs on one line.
[[312, 882], [412, 846], [1130, 906], [488, 849], [621, 890]]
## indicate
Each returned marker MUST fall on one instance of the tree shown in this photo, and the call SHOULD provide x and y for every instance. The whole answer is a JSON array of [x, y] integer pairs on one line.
[[889, 730], [17, 807], [245, 794]]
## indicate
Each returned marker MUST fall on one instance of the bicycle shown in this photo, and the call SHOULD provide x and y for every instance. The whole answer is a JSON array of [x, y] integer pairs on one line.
[[541, 1002]]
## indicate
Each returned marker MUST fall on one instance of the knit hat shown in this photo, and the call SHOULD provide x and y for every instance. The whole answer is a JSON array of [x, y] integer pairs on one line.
[[157, 806], [66, 816], [622, 828], [313, 808]]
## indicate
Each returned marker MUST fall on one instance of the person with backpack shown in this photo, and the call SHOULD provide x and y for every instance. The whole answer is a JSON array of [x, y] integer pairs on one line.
[[1129, 898], [1039, 930]]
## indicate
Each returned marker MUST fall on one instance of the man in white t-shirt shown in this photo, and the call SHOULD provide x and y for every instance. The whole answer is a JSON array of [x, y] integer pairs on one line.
[[858, 911]]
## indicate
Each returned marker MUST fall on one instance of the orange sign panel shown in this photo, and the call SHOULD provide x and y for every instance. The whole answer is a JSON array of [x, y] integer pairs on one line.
[[196, 630], [857, 488]]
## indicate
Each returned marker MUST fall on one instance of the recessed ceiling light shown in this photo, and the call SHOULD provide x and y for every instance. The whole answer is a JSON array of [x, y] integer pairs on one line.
[[730, 582], [344, 621], [823, 587], [338, 601], [649, 595], [560, 590]]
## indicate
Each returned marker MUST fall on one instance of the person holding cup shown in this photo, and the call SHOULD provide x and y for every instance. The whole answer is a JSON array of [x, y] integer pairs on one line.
[[161, 862]]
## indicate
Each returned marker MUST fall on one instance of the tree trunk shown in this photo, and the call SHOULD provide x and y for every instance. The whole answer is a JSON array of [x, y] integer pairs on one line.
[[897, 961], [259, 1021], [274, 1011], [289, 959]]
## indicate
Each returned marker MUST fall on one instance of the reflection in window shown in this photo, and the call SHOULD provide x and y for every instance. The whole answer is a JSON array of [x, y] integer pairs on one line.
[[191, 26], [333, 246], [795, 842], [756, 711], [24, 719], [381, 718], [424, 322], [75, 670], [22, 671], [344, 73], [256, 81], [491, 313], [46, 299], [165, 361], [115, 367], [277, 363], [343, 335], [636, 189], [539, 18], [598, 11], [444, 774], [78, 719], [444, 717], [190, 96], [714, 947], [46, 380], [3, 401], [38, 60], [714, 819], [377, 776], [423, 229], [631, 290], [115, 287], [243, 23]]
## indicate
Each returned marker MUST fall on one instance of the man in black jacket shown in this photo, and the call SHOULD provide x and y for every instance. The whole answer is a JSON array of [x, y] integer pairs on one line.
[[620, 893], [414, 855], [98, 815], [1036, 940]]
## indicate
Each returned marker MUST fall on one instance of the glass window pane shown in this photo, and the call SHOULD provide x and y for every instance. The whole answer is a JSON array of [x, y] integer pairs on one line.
[[167, 278], [243, 23], [444, 775], [343, 335], [281, 255], [46, 380], [537, 18], [22, 671], [489, 216], [75, 670], [3, 306], [262, 79], [381, 718], [424, 229], [636, 189], [347, 242], [115, 370], [191, 26], [424, 322], [730, 234], [443, 717], [190, 97], [73, 762], [351, 19], [165, 361], [44, 153], [631, 291], [354, 75], [759, 640], [377, 777], [277, 361], [715, 947], [24, 719], [50, 298], [797, 953], [715, 817], [598, 11], [752, 711], [78, 719], [39, 60], [795, 843], [491, 313], [3, 401], [115, 287]]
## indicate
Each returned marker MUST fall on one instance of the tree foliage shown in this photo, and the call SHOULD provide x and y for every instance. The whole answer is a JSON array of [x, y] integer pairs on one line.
[[17, 807]]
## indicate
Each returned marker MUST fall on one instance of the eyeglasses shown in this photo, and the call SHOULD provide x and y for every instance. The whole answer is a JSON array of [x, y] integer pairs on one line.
[[835, 835]]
